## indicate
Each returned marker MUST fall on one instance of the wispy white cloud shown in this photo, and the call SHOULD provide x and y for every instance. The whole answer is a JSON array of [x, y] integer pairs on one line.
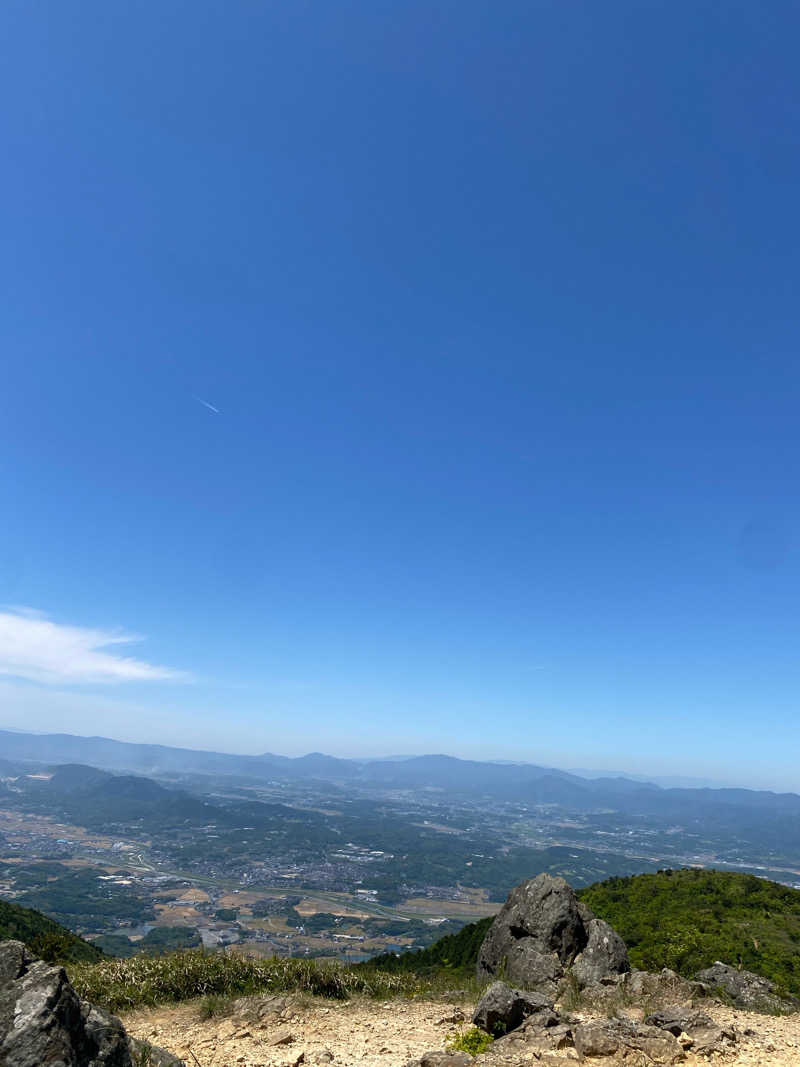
[[40, 650]]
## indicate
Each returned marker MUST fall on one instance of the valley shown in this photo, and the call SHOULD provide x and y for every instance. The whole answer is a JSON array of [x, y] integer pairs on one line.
[[325, 857]]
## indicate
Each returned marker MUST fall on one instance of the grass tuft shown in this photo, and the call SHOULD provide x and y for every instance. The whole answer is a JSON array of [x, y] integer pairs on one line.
[[215, 1005]]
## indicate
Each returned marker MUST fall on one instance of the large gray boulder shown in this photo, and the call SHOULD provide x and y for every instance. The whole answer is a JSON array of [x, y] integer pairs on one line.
[[541, 932], [43, 1022]]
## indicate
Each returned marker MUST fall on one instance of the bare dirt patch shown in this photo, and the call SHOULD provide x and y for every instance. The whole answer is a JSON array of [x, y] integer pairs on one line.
[[356, 1032], [285, 1031]]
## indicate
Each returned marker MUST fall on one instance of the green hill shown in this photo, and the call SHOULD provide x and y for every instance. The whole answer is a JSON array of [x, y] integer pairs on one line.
[[456, 952], [44, 937], [682, 919], [687, 919]]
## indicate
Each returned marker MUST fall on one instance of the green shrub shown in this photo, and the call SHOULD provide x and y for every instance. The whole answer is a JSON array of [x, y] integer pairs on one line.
[[472, 1041]]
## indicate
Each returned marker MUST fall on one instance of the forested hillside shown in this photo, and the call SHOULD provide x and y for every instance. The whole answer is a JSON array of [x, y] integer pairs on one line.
[[687, 919], [457, 952], [44, 937]]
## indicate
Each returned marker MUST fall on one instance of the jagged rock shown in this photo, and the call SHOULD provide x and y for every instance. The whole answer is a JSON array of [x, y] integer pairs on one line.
[[604, 957], [502, 1009], [533, 1035], [619, 1037], [666, 986], [620, 1040], [745, 989], [43, 1022], [678, 1020], [696, 1029], [712, 1038], [542, 930]]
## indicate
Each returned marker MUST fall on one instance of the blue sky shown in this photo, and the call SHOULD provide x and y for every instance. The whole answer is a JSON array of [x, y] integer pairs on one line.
[[497, 305]]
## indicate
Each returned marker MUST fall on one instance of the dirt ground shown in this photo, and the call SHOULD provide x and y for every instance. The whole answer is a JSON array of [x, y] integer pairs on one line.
[[288, 1031]]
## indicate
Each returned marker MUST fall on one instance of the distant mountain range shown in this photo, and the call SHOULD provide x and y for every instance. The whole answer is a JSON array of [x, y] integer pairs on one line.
[[435, 771], [519, 782]]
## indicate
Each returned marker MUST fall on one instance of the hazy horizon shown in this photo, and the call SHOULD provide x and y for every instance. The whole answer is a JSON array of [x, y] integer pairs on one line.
[[663, 776]]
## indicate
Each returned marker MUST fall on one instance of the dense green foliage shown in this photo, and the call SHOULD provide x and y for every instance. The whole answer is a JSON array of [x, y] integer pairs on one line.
[[146, 980], [454, 953], [473, 1041], [687, 919], [44, 937]]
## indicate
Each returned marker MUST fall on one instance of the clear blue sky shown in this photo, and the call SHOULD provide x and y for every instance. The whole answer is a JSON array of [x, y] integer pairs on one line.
[[498, 307]]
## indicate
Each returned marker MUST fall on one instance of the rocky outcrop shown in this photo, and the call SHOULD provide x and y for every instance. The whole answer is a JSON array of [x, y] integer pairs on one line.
[[665, 986], [601, 1040], [696, 1030], [678, 1020], [745, 989], [620, 1037], [542, 933], [663, 1037], [502, 1009], [43, 1022]]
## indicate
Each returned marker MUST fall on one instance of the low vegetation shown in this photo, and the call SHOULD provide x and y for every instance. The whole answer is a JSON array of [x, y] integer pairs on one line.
[[215, 1005], [122, 984]]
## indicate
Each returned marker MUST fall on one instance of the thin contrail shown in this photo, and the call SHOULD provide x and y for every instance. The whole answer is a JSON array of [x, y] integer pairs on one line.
[[206, 404]]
